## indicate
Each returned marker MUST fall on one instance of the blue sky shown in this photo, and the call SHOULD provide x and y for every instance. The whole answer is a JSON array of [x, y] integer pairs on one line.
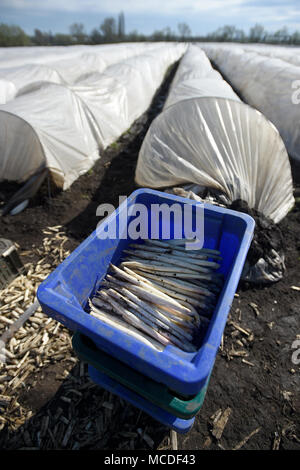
[[202, 16]]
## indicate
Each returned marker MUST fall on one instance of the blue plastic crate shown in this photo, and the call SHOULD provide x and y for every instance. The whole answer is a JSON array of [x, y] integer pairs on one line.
[[179, 425], [64, 294]]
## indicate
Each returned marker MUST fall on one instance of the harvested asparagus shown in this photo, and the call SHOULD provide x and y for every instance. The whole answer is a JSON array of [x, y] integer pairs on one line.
[[180, 286], [180, 245], [133, 320], [122, 325], [144, 323], [137, 304], [155, 296], [177, 315], [152, 285], [174, 259], [176, 295], [161, 291]]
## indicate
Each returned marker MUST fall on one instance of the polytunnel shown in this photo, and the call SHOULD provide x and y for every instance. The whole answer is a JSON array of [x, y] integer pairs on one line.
[[269, 84], [23, 76], [19, 56], [287, 54], [62, 128], [95, 60], [207, 138], [67, 68], [34, 133], [124, 91]]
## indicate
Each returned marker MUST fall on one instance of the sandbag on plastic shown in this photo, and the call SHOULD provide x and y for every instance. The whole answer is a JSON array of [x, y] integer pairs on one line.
[[229, 150]]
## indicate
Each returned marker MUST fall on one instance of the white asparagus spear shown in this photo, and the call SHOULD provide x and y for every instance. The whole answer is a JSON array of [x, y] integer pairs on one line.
[[169, 243], [137, 304], [170, 290], [99, 303], [155, 295], [133, 320], [181, 252], [194, 263], [181, 297], [178, 316], [181, 286], [151, 310], [159, 300], [176, 338], [195, 302], [147, 325], [148, 278], [123, 326], [188, 324], [202, 276], [203, 308], [139, 312], [200, 254], [160, 243], [129, 277], [153, 249], [121, 273], [159, 266], [183, 242]]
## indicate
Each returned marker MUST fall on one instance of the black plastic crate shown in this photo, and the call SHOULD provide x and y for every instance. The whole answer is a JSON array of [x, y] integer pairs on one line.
[[10, 263]]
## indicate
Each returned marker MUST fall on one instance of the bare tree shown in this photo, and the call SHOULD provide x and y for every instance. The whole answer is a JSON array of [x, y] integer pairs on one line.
[[228, 33], [109, 29], [257, 33], [282, 35], [184, 30], [77, 32]]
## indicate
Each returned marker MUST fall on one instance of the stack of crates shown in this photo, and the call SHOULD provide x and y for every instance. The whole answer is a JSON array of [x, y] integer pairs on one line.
[[170, 384]]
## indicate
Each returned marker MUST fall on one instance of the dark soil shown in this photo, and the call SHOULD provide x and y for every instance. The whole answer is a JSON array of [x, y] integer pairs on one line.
[[263, 393]]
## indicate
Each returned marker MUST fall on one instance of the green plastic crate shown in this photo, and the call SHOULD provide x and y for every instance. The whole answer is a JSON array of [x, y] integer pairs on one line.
[[157, 393]]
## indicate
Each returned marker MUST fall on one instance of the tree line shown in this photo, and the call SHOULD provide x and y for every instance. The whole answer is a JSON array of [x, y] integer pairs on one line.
[[112, 30]]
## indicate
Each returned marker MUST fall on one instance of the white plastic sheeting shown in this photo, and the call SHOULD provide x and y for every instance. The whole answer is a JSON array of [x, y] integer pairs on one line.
[[7, 90], [23, 76], [269, 84], [69, 66], [63, 127], [289, 54], [195, 77], [216, 142], [18, 56], [61, 122], [97, 60], [117, 97]]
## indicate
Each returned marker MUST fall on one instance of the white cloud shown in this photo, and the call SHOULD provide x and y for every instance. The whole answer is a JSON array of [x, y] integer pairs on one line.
[[169, 7], [200, 14]]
